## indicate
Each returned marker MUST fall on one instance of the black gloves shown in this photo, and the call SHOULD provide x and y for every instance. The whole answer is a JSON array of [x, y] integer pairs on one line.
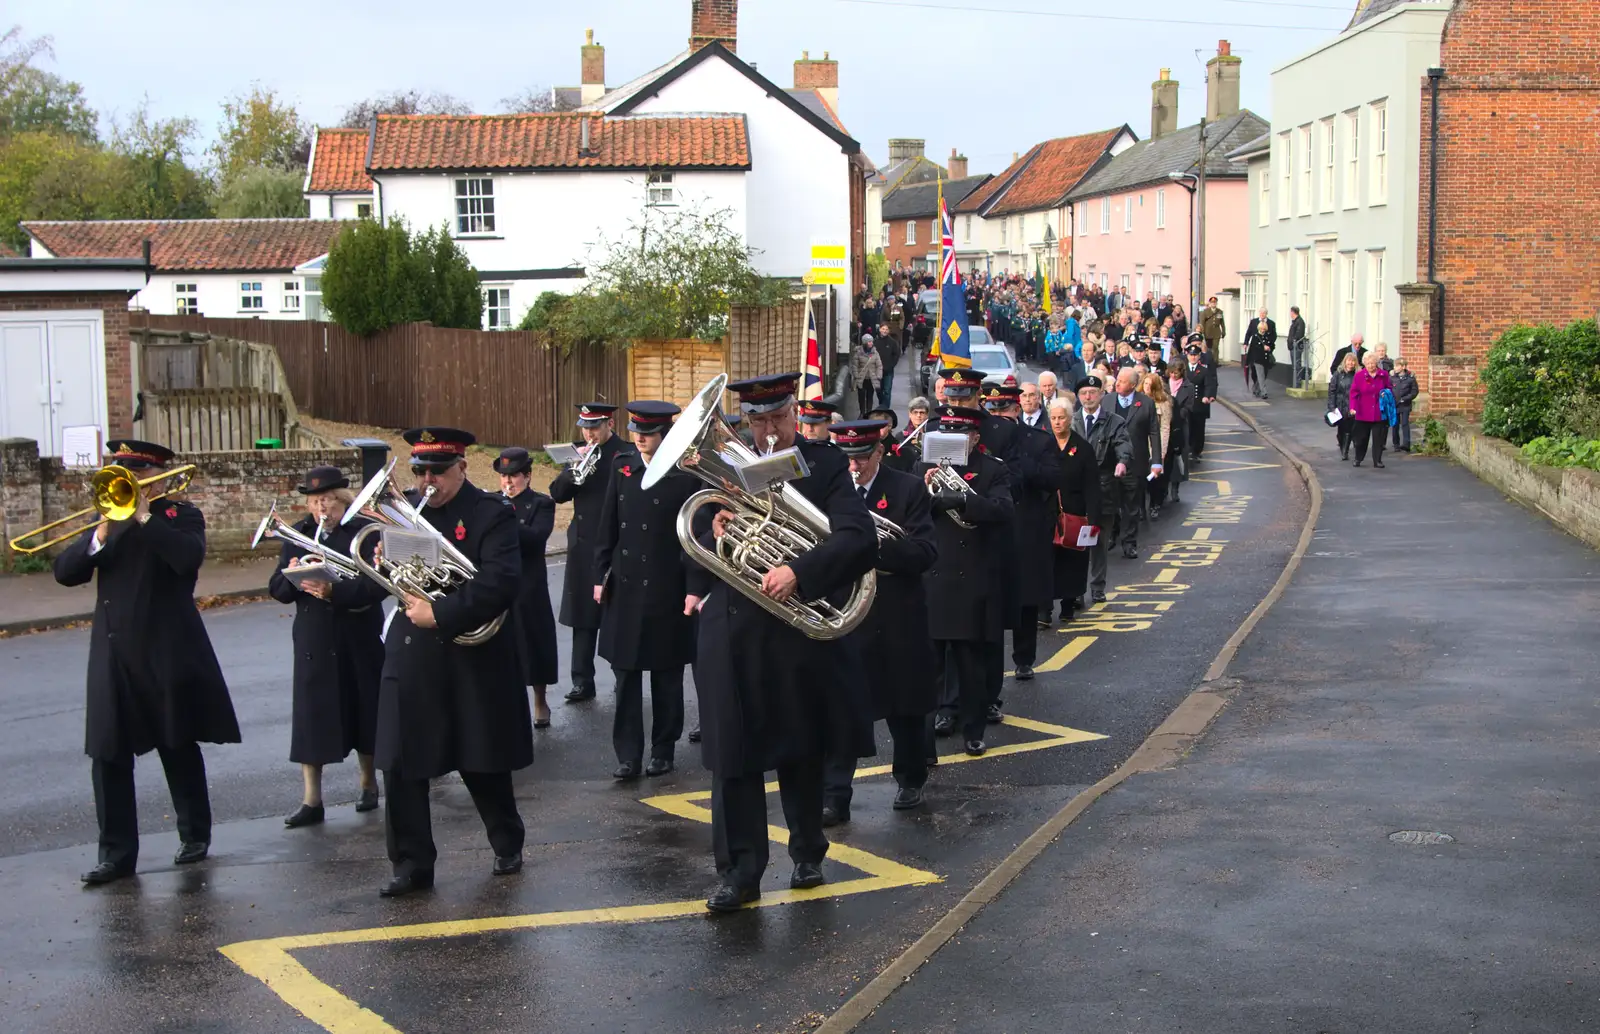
[[946, 501]]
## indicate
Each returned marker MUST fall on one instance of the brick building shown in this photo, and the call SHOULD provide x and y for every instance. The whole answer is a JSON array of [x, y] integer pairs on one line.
[[911, 220], [1512, 233]]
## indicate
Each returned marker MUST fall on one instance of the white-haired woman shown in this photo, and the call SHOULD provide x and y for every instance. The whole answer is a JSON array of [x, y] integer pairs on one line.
[[1078, 496]]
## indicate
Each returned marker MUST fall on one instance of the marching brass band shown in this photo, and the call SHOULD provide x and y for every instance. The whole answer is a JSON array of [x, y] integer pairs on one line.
[[791, 563]]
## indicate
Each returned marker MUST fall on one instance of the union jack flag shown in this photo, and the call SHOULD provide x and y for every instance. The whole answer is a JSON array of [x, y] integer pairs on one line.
[[811, 378], [951, 344], [948, 272]]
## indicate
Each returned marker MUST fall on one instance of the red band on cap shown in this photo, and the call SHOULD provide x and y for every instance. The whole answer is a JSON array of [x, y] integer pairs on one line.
[[438, 448]]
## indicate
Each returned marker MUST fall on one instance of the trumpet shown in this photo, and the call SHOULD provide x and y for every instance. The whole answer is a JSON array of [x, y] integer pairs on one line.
[[387, 507], [947, 480], [273, 526], [768, 529], [115, 491], [887, 530], [588, 460]]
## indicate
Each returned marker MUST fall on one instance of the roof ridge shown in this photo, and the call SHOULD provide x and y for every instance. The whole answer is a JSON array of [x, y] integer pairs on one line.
[[174, 222]]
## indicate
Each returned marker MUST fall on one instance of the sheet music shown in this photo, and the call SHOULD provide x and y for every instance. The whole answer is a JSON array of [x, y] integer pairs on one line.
[[938, 446], [760, 474], [312, 571], [562, 453], [402, 547]]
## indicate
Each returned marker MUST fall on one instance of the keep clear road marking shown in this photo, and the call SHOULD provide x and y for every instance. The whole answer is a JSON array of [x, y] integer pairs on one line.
[[270, 961]]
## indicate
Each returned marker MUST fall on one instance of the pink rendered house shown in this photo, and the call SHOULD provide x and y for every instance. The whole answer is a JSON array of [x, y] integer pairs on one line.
[[1133, 219]]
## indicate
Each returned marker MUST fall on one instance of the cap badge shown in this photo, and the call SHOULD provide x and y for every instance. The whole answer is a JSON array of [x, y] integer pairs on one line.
[[461, 531], [426, 436], [124, 449], [316, 482]]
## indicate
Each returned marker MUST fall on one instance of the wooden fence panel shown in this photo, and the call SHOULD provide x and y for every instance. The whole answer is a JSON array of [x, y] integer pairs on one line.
[[212, 419], [674, 370]]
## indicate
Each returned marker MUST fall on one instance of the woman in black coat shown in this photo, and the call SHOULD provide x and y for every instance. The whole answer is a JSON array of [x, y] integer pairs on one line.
[[535, 622], [1079, 495], [338, 650]]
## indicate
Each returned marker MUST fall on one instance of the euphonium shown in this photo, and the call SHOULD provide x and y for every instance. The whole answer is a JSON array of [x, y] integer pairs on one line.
[[947, 480], [768, 529], [389, 508]]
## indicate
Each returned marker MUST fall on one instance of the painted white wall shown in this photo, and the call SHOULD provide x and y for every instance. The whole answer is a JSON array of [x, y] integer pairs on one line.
[[1387, 60], [349, 206], [872, 218], [220, 294], [320, 206], [552, 220], [799, 183]]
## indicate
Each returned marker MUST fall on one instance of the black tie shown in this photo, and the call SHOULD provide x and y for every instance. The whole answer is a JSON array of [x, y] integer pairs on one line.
[[863, 490]]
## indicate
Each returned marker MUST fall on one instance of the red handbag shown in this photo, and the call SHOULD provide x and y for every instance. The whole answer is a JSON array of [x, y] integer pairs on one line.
[[1070, 527]]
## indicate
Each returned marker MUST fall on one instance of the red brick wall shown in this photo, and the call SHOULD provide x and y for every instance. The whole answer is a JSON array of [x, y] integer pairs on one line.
[[814, 74], [120, 389], [909, 253], [1519, 177], [714, 21]]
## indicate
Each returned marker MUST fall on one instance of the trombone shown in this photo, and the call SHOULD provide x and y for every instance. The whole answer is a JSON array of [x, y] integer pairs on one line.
[[115, 491]]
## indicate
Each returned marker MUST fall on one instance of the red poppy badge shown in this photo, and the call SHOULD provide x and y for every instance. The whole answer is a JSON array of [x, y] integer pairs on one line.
[[1072, 451], [1137, 403], [461, 531], [883, 503], [626, 470], [969, 475], [172, 511]]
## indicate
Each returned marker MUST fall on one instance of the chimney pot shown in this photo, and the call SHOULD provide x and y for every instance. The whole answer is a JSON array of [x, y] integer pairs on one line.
[[1222, 84], [1224, 48], [592, 69], [957, 165], [588, 37], [1166, 73]]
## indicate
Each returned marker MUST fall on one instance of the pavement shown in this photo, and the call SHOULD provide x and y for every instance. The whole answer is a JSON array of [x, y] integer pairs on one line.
[[33, 602], [605, 929], [1393, 825]]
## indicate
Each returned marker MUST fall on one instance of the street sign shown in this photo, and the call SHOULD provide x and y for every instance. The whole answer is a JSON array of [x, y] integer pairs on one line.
[[829, 260]]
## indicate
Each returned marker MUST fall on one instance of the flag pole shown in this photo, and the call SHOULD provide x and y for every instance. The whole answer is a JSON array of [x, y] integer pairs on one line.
[[938, 312], [805, 339]]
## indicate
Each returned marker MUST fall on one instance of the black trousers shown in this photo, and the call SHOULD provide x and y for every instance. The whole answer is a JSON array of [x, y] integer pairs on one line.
[[1343, 432], [117, 809], [1197, 434], [739, 820], [1132, 511], [583, 643], [1025, 639], [409, 826], [1375, 432], [966, 688], [912, 738], [666, 714]]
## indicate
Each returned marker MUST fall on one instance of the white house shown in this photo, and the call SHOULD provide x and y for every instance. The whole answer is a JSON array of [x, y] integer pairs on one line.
[[206, 267], [1333, 187], [337, 185]]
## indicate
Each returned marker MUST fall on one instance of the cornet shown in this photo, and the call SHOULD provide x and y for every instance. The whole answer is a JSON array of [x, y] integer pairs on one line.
[[588, 460], [947, 480]]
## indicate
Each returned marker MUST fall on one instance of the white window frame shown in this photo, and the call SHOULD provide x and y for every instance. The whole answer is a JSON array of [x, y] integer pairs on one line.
[[291, 297], [966, 229], [1352, 159], [313, 293], [911, 232], [1285, 175], [1301, 291], [1083, 219], [1378, 124], [1248, 294], [1122, 281], [252, 297], [887, 234], [474, 204], [1375, 276], [1304, 201], [497, 307], [186, 299], [1264, 204], [934, 236], [363, 209], [1105, 281], [1127, 214], [659, 190], [1347, 296], [1328, 171], [1105, 215], [1161, 208], [1282, 275]]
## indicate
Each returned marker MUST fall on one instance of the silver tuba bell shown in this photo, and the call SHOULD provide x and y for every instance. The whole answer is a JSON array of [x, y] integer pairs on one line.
[[769, 529], [387, 507]]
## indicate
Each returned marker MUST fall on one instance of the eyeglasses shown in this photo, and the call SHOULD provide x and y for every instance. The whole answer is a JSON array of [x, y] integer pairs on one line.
[[422, 469]]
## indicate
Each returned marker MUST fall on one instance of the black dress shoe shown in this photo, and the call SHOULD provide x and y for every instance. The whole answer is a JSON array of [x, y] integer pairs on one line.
[[1099, 595], [506, 864], [933, 760], [1024, 672], [307, 815], [1128, 553], [1155, 513], [658, 767], [944, 725], [1358, 463], [993, 715], [834, 814], [976, 748], [694, 735], [368, 801], [729, 898], [807, 875], [191, 851], [1377, 463], [626, 770], [908, 797], [106, 872], [410, 883], [580, 692]]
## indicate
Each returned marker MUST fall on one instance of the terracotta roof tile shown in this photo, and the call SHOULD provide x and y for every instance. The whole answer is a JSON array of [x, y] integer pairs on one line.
[[193, 245], [405, 142], [984, 194], [1056, 168], [338, 163], [7, 251]]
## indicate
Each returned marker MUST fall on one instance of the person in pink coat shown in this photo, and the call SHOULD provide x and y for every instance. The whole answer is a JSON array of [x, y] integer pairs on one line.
[[1370, 382]]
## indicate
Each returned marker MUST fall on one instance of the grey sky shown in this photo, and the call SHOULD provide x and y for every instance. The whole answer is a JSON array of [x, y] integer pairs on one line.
[[1014, 78]]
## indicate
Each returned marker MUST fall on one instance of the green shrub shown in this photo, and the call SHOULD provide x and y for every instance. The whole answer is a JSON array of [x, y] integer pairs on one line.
[[1565, 451], [1433, 439], [877, 272], [379, 275], [1534, 376]]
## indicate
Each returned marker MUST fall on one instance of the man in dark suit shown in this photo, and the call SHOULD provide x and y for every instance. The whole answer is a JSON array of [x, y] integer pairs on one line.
[[1297, 346], [1138, 411], [154, 682], [1259, 341], [1356, 345], [893, 644], [1203, 378], [1108, 434]]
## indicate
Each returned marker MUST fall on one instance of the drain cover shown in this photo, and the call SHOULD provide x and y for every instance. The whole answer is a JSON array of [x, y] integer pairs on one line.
[[1421, 838]]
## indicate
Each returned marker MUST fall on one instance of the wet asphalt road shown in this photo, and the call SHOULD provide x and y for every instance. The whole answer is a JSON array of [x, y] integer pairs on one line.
[[142, 954]]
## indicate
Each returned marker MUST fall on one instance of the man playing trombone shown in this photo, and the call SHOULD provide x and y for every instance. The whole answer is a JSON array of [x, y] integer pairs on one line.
[[154, 682], [584, 485]]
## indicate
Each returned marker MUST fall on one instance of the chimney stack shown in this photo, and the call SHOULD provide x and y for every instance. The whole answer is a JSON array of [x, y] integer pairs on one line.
[[821, 76], [714, 21], [1163, 105], [592, 64], [1222, 84], [902, 148], [958, 165]]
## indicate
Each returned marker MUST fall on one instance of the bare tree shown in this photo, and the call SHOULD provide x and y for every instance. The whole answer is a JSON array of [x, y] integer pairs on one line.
[[535, 100], [403, 102], [17, 54]]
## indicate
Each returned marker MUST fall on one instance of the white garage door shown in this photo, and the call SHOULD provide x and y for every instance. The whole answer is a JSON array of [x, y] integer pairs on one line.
[[52, 375]]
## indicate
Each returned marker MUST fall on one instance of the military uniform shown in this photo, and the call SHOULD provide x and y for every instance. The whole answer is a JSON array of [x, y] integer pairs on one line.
[[579, 611], [153, 680], [535, 622]]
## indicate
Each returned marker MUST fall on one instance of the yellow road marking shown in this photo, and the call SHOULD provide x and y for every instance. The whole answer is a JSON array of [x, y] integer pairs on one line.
[[270, 961], [1165, 575], [1068, 653], [1223, 487], [1202, 534]]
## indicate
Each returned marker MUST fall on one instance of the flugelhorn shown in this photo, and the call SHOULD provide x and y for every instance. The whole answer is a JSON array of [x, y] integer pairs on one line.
[[115, 491], [318, 552], [768, 529]]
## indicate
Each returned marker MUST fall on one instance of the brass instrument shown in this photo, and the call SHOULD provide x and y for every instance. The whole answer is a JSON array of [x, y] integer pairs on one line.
[[768, 530], [115, 490], [887, 529], [947, 480], [387, 507], [587, 462], [273, 526]]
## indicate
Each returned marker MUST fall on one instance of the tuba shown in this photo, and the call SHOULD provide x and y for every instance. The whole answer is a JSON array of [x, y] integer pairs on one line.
[[387, 507], [947, 480], [769, 529]]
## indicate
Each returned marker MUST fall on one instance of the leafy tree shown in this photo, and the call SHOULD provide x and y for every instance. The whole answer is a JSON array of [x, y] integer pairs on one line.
[[380, 275], [17, 54], [402, 102], [264, 193], [35, 100], [535, 100], [259, 131], [159, 182], [1534, 377], [877, 272]]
